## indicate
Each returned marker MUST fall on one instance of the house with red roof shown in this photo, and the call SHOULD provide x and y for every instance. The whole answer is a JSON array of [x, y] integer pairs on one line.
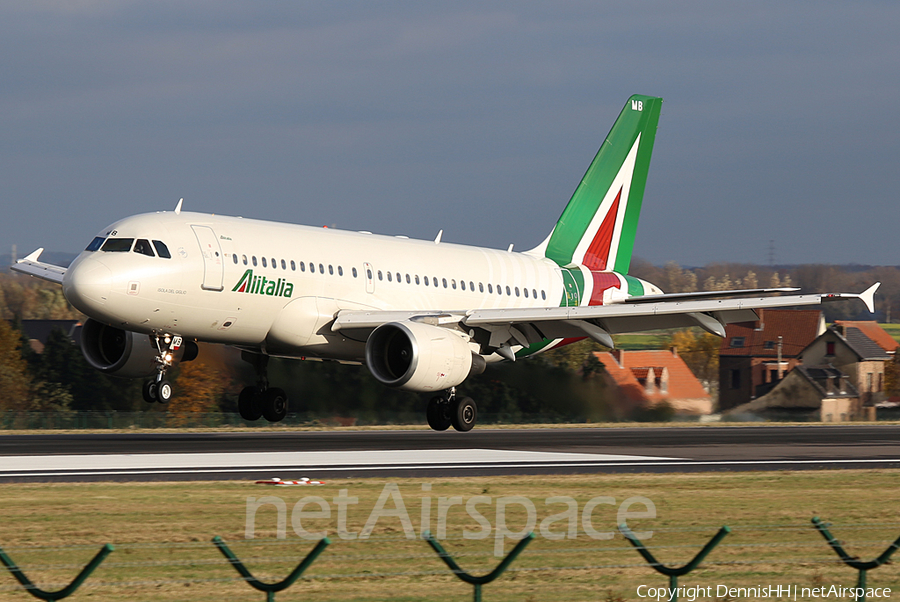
[[852, 351], [755, 356], [871, 329], [647, 378]]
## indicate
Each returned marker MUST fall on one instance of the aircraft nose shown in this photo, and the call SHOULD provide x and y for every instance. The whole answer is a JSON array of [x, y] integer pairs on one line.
[[87, 284]]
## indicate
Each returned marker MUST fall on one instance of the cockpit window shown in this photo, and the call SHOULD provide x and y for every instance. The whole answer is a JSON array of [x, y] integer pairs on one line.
[[143, 247], [95, 244], [161, 249], [117, 245]]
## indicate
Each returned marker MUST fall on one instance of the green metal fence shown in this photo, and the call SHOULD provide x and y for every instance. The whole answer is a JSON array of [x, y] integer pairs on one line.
[[307, 570]]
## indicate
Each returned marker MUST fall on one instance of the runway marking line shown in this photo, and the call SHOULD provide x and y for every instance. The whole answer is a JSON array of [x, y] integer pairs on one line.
[[438, 466], [321, 459]]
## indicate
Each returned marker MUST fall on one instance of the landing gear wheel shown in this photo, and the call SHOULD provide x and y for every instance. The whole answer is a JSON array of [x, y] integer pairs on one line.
[[149, 391], [248, 404], [274, 404], [438, 414], [163, 391], [463, 414]]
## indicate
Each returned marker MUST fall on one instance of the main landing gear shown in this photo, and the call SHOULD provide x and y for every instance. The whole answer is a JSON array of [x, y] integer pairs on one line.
[[449, 410], [160, 389], [262, 400]]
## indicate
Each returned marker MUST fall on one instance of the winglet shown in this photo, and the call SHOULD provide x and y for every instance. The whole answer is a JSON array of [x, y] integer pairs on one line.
[[33, 257], [868, 297], [178, 206]]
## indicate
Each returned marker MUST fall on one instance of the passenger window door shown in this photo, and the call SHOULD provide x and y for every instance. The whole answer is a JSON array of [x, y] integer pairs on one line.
[[213, 266]]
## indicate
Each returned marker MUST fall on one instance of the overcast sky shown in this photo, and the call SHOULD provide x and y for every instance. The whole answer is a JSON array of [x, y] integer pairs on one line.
[[780, 119]]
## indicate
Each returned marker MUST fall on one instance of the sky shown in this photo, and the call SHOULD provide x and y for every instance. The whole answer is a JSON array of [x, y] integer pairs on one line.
[[780, 121]]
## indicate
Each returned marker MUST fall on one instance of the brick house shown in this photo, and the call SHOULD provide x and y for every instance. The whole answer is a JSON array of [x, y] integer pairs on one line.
[[851, 351], [821, 393], [646, 378], [749, 355], [871, 329]]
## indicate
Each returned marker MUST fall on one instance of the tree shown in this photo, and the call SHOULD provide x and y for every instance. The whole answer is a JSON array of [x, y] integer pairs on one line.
[[776, 281], [200, 387], [700, 351], [33, 299], [722, 284], [62, 368], [678, 280], [892, 377], [14, 380], [749, 281]]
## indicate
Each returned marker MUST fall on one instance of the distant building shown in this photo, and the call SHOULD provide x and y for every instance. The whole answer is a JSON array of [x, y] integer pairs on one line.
[[841, 378], [646, 378], [37, 331], [848, 349], [821, 393], [871, 329], [749, 364]]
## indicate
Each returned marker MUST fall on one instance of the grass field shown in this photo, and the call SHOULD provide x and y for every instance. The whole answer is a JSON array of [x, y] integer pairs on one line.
[[893, 330], [162, 534]]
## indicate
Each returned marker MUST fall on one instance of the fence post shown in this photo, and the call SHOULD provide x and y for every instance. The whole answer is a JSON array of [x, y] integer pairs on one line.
[[853, 561], [271, 588], [477, 582], [672, 572], [65, 592]]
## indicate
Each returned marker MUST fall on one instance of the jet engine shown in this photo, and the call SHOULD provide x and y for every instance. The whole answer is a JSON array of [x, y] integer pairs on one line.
[[124, 353], [420, 357]]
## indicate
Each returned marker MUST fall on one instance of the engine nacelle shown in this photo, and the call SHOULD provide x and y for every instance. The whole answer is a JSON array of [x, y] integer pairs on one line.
[[124, 353], [419, 357]]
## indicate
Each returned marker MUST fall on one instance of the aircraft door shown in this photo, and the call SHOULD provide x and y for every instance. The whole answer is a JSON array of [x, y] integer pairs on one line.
[[370, 277], [213, 264]]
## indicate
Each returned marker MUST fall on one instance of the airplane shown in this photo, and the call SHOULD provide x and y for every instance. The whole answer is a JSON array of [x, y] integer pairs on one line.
[[422, 315]]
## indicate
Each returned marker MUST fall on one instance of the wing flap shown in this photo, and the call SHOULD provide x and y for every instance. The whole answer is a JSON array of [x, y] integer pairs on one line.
[[32, 266], [708, 294]]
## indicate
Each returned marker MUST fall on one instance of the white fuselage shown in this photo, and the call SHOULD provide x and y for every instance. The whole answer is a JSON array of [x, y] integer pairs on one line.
[[275, 287]]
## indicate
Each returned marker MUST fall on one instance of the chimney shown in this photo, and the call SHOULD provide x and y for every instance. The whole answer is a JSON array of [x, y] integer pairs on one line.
[[619, 355], [843, 382], [761, 321], [674, 350], [829, 385]]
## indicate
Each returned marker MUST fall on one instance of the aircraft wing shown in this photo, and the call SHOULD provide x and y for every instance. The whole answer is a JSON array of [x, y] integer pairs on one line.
[[32, 266], [529, 325]]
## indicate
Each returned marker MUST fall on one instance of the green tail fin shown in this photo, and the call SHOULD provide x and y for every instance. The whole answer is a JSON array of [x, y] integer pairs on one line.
[[598, 226]]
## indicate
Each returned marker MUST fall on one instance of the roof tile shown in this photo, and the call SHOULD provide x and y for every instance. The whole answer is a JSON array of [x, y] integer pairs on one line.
[[871, 329], [797, 327]]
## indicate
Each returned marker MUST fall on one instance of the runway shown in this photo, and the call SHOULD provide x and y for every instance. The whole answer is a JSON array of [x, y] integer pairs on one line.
[[484, 451]]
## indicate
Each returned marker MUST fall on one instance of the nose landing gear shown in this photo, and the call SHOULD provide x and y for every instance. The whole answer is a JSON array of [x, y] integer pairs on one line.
[[160, 389]]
